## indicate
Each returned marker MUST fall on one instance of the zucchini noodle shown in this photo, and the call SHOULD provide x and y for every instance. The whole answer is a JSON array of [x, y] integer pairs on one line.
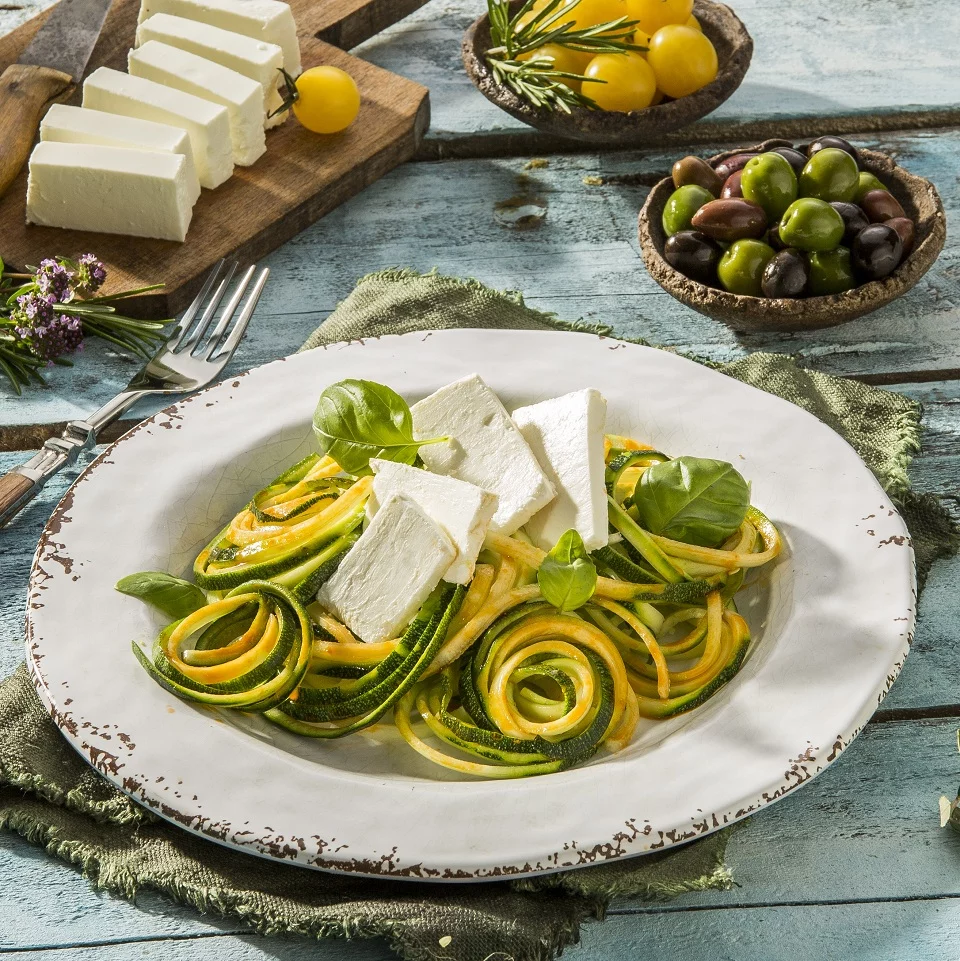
[[488, 680]]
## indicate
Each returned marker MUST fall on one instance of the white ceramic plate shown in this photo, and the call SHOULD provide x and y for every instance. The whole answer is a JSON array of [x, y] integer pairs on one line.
[[832, 621]]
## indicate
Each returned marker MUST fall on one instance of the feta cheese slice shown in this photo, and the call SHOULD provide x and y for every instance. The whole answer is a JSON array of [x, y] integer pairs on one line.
[[389, 572], [114, 190], [566, 434], [485, 449], [463, 510], [255, 59], [185, 71], [66, 124], [208, 124], [267, 20]]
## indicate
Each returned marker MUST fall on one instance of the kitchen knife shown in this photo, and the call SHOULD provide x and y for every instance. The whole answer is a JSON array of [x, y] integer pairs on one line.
[[46, 71]]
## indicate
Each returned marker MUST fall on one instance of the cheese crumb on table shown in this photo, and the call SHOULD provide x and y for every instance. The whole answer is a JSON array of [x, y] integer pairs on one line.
[[463, 510], [485, 449]]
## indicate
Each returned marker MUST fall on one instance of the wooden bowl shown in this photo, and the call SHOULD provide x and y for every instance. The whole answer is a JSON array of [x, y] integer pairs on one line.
[[734, 50], [920, 201]]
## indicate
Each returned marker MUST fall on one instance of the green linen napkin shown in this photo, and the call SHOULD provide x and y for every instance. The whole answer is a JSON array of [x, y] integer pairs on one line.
[[53, 798]]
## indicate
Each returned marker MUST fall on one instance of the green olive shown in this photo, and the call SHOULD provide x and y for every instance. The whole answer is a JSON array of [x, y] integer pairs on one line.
[[831, 272], [684, 202], [769, 180], [830, 174], [865, 183], [811, 224], [741, 267]]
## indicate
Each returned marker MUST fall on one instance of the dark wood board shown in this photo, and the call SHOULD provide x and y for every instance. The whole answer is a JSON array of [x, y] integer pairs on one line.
[[301, 177]]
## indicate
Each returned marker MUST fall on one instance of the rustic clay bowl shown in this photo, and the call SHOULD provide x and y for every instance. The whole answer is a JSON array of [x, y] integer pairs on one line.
[[920, 201], [719, 23]]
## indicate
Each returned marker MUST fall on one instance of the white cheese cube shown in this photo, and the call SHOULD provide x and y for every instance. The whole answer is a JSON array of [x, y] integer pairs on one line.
[[208, 124], [566, 434], [75, 125], [113, 190], [185, 71], [267, 20], [463, 510], [389, 572], [485, 449], [255, 59]]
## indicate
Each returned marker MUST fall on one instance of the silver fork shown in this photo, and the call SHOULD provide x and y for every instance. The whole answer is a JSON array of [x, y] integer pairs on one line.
[[188, 361]]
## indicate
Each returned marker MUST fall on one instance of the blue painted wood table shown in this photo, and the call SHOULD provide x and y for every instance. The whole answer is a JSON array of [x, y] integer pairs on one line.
[[855, 866]]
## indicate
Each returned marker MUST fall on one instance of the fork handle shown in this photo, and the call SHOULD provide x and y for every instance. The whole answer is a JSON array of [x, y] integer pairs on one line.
[[15, 490]]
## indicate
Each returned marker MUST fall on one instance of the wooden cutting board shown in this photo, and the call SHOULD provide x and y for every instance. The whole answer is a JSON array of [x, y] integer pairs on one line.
[[301, 177]]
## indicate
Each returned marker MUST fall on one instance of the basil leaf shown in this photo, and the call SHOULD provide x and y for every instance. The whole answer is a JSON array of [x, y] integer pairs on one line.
[[357, 420], [692, 499], [567, 576], [172, 595]]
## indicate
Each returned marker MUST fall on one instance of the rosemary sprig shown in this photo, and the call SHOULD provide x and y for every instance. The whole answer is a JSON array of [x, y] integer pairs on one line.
[[536, 79]]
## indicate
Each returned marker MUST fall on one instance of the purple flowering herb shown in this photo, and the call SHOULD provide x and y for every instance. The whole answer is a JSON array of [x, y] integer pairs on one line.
[[46, 334], [53, 280], [90, 273]]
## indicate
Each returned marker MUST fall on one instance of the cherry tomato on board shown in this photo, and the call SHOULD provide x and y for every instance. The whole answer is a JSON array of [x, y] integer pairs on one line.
[[328, 100]]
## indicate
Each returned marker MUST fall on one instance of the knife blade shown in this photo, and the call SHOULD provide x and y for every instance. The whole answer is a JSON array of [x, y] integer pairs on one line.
[[47, 70]]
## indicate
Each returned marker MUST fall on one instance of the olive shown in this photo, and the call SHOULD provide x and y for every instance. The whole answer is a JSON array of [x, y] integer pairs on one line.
[[832, 143], [774, 239], [732, 219], [769, 180], [741, 268], [732, 186], [693, 170], [796, 159], [811, 224], [881, 205], [830, 174], [731, 164], [866, 182], [854, 220], [682, 205], [694, 254], [907, 231], [786, 275], [876, 252], [830, 272]]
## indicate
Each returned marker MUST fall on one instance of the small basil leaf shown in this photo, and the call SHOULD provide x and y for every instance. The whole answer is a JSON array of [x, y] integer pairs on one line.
[[692, 499], [567, 576], [175, 597], [357, 420]]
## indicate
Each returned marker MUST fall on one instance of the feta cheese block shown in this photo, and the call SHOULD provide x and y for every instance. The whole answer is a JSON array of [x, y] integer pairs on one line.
[[486, 449], [208, 124], [566, 434], [389, 572], [113, 190], [267, 20], [255, 59], [463, 510], [75, 125], [185, 71]]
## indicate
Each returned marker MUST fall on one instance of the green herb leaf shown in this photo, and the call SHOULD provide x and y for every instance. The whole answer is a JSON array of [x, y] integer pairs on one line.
[[357, 420], [567, 576], [175, 597], [692, 499]]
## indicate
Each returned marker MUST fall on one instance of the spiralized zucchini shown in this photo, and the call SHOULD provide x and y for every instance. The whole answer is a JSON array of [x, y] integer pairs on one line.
[[488, 680]]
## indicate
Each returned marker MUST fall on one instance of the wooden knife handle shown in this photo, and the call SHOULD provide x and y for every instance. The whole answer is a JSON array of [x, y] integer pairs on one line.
[[13, 488], [25, 92]]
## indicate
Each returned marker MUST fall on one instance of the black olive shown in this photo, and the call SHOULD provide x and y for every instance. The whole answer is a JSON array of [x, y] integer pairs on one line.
[[854, 220], [796, 159], [694, 254], [786, 275], [821, 143], [877, 251]]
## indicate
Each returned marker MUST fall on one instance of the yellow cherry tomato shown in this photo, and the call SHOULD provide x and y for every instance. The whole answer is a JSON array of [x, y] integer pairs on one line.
[[641, 39], [564, 59], [657, 98], [630, 82], [588, 13], [694, 22], [683, 59], [328, 100], [654, 14]]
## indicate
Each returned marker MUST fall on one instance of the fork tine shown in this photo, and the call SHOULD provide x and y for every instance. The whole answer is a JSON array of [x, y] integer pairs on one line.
[[191, 312], [209, 312], [228, 313], [230, 344]]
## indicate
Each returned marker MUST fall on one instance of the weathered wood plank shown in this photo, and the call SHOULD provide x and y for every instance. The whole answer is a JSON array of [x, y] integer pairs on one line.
[[581, 262], [831, 842]]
